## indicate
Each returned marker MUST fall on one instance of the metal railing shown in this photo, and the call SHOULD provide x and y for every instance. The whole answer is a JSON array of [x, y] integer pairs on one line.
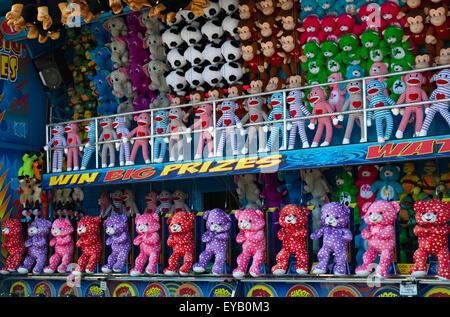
[[364, 110]]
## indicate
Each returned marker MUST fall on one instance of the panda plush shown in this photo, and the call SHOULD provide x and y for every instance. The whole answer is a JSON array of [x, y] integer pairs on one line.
[[172, 37], [213, 31], [177, 20], [176, 59], [212, 54], [230, 26], [194, 78], [177, 82], [212, 76], [231, 72], [193, 55], [191, 35], [229, 6], [231, 50], [212, 11], [188, 16]]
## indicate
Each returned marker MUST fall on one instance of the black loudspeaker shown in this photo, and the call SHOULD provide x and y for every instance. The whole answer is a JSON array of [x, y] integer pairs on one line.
[[53, 70]]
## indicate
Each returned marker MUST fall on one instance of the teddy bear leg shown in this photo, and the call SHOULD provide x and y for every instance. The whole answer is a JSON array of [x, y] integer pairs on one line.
[[186, 268], [444, 264], [107, 268], [54, 261], [419, 268], [219, 263], [120, 261], [382, 270], [174, 260], [242, 261], [368, 259], [27, 264], [139, 264], [44, 17], [282, 262], [258, 260], [203, 261], [152, 262], [66, 258], [323, 256], [40, 263], [13, 262], [93, 261], [340, 268], [81, 264], [301, 266]]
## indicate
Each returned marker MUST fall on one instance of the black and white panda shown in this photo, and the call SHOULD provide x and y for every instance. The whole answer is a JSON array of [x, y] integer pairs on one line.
[[230, 26], [195, 78], [172, 37], [188, 16], [231, 72], [231, 50], [213, 31], [177, 82], [229, 6], [212, 11], [212, 53], [176, 59], [177, 20], [193, 55], [191, 35], [212, 76]]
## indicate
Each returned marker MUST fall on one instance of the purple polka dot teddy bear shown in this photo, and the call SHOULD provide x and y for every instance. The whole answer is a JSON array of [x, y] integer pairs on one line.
[[218, 224], [37, 246], [116, 227], [335, 219]]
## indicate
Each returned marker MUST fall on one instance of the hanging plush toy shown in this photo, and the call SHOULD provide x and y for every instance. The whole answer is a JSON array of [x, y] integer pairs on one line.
[[181, 240], [90, 241], [142, 130], [388, 187], [147, 227], [270, 193], [117, 202], [62, 231], [248, 190], [294, 237], [276, 128], [251, 223], [430, 179], [292, 185], [442, 80], [320, 106], [375, 91], [179, 198], [432, 230], [116, 227], [438, 31], [346, 192], [177, 118], [58, 141], [297, 110], [203, 121], [216, 236], [165, 203], [108, 134], [120, 125], [229, 121], [89, 149], [159, 127], [14, 243], [26, 170], [151, 201], [380, 217], [335, 219], [354, 102], [256, 136], [36, 243], [73, 153], [367, 175], [129, 202]]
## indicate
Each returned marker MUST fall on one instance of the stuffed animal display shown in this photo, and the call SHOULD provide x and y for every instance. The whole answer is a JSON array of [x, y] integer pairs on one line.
[[88, 228], [14, 244], [116, 227], [62, 232]]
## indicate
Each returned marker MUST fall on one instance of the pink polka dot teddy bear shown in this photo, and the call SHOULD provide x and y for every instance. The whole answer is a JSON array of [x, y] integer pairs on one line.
[[147, 227], [432, 229], [62, 231], [251, 223], [380, 217]]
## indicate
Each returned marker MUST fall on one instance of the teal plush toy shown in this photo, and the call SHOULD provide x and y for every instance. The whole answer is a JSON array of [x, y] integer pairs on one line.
[[330, 52], [349, 45], [346, 193], [399, 50], [388, 187], [26, 170], [310, 7], [395, 83], [373, 49]]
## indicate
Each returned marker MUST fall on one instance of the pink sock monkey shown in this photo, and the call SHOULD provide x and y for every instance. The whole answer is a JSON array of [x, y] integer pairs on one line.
[[413, 93], [73, 153], [62, 231], [337, 96], [143, 129], [151, 200], [204, 120], [317, 98]]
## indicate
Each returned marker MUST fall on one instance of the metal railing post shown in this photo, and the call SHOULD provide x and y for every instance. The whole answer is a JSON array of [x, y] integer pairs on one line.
[[214, 128], [96, 143], [284, 144], [49, 151], [364, 109], [152, 140]]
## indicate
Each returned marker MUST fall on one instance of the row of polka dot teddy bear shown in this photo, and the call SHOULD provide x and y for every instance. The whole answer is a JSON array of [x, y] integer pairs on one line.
[[30, 255]]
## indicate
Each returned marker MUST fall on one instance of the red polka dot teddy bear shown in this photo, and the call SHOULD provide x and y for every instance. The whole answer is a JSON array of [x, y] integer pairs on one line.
[[251, 222], [432, 230], [90, 241], [14, 244], [380, 217], [294, 235], [181, 240]]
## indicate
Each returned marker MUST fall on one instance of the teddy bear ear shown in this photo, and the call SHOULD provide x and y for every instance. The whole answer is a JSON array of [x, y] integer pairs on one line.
[[237, 214], [206, 214], [191, 216], [366, 207], [305, 210], [169, 220], [395, 205], [155, 216], [418, 205], [259, 213], [377, 167]]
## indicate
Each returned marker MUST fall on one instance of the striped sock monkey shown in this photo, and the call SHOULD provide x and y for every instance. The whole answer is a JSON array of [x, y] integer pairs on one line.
[[375, 91], [89, 149], [159, 127], [230, 121], [354, 102], [276, 129], [255, 114], [177, 119], [58, 141], [442, 91], [120, 124], [297, 110], [73, 153], [108, 134]]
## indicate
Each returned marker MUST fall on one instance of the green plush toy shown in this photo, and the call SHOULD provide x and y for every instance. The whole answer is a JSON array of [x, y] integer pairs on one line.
[[330, 51], [346, 192], [26, 170], [407, 238], [395, 83], [373, 50], [311, 50], [316, 73], [350, 55], [399, 49]]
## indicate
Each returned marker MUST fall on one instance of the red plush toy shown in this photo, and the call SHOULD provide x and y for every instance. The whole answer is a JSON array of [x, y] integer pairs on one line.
[[181, 240], [310, 30], [389, 12], [90, 241], [294, 236], [14, 244], [432, 231], [367, 175], [328, 29], [346, 23], [370, 17]]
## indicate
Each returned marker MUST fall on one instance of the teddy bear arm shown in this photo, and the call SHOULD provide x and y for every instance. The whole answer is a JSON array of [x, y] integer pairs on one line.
[[440, 230], [240, 238], [108, 241], [420, 231], [154, 238], [170, 241], [317, 234], [29, 243], [365, 233], [223, 236], [281, 234], [207, 236], [138, 240]]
